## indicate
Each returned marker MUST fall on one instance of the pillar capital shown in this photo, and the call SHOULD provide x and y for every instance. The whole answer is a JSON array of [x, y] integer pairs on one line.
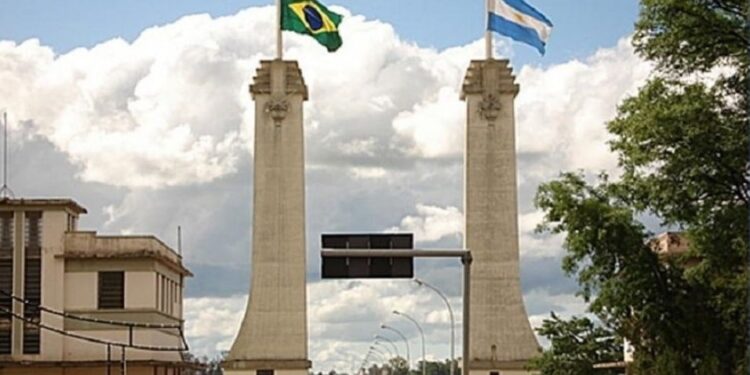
[[489, 77], [287, 79]]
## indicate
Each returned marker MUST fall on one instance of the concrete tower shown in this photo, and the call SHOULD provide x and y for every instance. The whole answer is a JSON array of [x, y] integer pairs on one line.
[[273, 337], [500, 334]]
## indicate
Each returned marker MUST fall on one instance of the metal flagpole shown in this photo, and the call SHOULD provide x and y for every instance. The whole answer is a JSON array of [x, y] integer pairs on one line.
[[487, 32], [279, 46]]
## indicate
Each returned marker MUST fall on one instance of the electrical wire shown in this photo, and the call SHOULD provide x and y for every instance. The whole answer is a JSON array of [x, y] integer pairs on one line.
[[131, 325]]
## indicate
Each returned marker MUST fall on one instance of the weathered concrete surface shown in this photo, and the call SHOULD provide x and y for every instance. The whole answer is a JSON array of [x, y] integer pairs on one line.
[[501, 336], [273, 334]]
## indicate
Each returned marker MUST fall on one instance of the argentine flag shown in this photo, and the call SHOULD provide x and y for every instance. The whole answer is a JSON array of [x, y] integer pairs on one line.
[[519, 21]]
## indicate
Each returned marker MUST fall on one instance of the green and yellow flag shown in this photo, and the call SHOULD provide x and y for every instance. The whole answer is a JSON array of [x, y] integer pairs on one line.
[[310, 17]]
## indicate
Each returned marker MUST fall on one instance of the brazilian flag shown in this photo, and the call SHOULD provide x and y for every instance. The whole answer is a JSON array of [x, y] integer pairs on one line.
[[310, 17]]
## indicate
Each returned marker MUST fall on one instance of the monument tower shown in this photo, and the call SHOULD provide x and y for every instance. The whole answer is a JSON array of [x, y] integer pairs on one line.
[[272, 339], [501, 339]]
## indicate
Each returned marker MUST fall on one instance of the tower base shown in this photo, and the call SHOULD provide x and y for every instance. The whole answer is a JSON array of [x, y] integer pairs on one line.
[[267, 367], [500, 368]]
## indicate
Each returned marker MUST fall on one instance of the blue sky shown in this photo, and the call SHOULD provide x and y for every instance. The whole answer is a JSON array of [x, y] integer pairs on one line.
[[581, 26]]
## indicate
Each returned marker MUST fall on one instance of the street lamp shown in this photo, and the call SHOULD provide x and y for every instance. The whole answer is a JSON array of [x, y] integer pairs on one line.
[[421, 332], [406, 341], [387, 349], [380, 352], [395, 348], [453, 322]]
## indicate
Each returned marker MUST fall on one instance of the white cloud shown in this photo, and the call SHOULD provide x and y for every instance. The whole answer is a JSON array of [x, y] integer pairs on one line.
[[435, 126], [432, 223], [368, 173], [212, 323], [562, 110]]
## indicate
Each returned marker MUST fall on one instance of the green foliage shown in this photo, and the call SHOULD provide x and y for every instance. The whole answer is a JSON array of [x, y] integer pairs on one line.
[[577, 345], [399, 366], [682, 143]]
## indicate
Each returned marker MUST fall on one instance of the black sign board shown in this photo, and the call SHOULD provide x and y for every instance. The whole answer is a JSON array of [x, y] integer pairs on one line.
[[383, 267]]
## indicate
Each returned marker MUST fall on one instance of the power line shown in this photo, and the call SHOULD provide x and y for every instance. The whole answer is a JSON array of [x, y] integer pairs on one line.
[[131, 326]]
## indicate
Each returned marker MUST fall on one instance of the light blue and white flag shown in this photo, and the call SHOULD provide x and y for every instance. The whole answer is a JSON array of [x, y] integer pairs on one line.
[[519, 21]]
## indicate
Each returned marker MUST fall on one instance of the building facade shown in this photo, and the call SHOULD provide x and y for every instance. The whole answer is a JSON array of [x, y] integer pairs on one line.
[[46, 261]]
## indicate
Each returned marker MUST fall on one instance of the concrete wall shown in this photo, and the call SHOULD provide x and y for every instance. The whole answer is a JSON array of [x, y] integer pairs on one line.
[[500, 332], [77, 350]]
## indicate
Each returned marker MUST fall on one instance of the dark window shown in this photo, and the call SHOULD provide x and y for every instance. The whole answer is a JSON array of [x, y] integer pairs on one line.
[[264, 372], [6, 281], [111, 290], [33, 234], [494, 373], [6, 234], [32, 287]]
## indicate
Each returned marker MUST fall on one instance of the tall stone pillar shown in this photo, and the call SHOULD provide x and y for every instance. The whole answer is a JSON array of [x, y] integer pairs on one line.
[[500, 334], [273, 335]]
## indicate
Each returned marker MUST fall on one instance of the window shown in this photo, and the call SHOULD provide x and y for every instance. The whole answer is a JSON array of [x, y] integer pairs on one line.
[[6, 280], [264, 372], [72, 223], [111, 290], [32, 286]]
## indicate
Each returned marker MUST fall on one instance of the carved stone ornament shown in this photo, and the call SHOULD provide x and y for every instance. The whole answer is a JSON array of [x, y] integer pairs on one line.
[[278, 109], [489, 108]]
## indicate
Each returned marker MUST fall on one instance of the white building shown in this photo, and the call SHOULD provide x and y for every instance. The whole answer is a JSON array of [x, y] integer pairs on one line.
[[46, 260]]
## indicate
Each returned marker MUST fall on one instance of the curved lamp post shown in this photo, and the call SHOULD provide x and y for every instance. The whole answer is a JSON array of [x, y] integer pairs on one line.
[[453, 322], [383, 338], [380, 352], [406, 341], [383, 346], [421, 332]]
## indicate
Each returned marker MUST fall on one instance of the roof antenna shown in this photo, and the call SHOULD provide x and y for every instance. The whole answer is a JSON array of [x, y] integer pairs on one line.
[[5, 191], [179, 240]]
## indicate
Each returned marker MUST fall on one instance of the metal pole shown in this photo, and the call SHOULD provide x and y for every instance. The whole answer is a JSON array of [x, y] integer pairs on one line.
[[379, 353], [5, 149], [109, 359], [424, 356], [406, 341], [466, 260], [279, 46], [387, 349], [487, 32], [123, 364], [453, 323], [179, 240], [395, 348]]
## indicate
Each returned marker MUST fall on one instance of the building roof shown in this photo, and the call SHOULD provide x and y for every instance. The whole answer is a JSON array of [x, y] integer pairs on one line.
[[670, 244], [90, 245], [47, 203]]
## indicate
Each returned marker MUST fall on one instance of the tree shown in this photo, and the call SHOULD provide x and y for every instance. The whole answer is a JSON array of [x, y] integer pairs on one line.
[[577, 345], [682, 143], [399, 366]]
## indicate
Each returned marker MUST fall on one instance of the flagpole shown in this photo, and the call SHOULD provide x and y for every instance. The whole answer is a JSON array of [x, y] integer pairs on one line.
[[279, 44], [487, 32]]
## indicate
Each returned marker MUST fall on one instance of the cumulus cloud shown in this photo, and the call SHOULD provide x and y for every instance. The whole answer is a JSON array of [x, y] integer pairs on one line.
[[212, 323], [432, 223]]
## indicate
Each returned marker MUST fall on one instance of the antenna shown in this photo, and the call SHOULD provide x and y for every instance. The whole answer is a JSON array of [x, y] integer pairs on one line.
[[179, 240], [5, 191]]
